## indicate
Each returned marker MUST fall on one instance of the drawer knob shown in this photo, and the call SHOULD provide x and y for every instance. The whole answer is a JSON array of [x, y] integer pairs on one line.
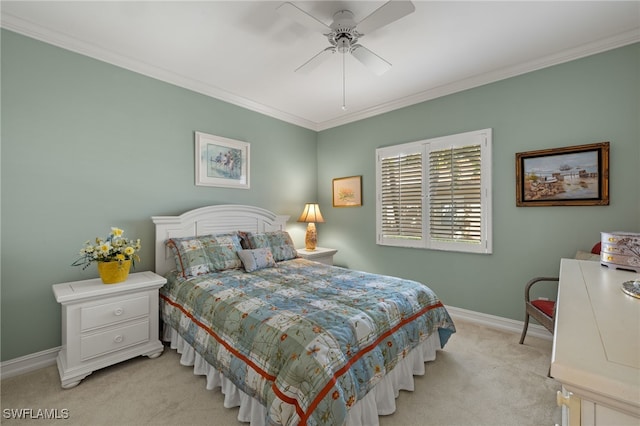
[[118, 311], [118, 338]]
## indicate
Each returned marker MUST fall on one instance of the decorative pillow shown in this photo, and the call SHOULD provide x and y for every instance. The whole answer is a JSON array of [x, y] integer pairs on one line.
[[190, 256], [257, 259], [222, 250], [280, 243]]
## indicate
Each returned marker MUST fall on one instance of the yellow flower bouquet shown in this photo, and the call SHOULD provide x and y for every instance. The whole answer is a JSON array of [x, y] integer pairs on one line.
[[115, 248]]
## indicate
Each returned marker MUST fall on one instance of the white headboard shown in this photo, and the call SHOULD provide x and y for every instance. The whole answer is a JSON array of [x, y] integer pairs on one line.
[[210, 220]]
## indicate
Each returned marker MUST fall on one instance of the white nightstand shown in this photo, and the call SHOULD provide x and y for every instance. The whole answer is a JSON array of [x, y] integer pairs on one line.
[[103, 324], [322, 255]]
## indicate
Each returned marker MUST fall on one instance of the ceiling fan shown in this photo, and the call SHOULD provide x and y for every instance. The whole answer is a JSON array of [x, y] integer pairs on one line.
[[344, 32]]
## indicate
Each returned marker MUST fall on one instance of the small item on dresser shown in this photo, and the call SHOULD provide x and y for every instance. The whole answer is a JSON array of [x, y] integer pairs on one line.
[[114, 255], [114, 272], [632, 288], [621, 250]]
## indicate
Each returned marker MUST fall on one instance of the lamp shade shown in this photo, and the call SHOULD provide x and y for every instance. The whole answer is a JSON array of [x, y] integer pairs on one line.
[[311, 214]]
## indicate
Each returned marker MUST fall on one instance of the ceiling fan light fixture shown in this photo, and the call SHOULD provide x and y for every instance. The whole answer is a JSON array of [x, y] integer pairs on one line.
[[343, 34], [343, 45]]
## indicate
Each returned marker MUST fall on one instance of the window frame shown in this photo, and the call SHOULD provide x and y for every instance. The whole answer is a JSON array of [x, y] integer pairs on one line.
[[483, 138]]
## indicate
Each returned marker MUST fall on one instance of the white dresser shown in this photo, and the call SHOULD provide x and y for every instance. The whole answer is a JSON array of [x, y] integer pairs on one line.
[[103, 324], [596, 346]]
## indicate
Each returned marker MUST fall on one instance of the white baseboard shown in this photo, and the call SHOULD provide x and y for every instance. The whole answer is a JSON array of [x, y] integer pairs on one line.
[[28, 363], [499, 323]]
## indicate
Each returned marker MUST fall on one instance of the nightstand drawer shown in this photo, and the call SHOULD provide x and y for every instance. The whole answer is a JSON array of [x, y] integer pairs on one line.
[[111, 313], [113, 340]]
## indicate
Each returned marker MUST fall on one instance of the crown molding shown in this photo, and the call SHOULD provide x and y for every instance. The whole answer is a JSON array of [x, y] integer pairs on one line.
[[58, 39], [64, 41], [600, 46]]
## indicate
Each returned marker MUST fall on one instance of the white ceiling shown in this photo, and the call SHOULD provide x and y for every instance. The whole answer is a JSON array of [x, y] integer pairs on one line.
[[245, 52]]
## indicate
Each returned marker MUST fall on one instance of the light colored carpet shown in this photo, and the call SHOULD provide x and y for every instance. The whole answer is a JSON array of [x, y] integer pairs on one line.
[[482, 377]]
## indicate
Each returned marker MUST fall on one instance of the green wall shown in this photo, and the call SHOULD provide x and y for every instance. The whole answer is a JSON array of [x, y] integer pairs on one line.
[[87, 146], [589, 100]]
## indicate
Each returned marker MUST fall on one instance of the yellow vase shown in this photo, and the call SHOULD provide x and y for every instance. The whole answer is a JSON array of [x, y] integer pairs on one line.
[[114, 272]]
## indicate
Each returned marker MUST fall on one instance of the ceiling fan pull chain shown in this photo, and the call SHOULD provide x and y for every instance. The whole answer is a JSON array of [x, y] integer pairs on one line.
[[344, 96]]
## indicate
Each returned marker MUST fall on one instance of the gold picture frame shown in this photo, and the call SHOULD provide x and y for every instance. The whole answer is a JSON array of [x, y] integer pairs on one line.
[[347, 191], [569, 176]]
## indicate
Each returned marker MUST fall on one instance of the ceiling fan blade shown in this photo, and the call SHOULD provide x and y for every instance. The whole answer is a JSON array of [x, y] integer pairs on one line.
[[387, 13], [313, 63], [293, 12], [370, 60]]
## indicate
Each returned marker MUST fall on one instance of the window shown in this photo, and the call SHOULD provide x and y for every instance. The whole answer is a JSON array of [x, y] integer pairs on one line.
[[436, 193]]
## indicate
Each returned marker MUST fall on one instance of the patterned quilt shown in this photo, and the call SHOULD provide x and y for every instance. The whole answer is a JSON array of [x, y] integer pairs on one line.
[[307, 340]]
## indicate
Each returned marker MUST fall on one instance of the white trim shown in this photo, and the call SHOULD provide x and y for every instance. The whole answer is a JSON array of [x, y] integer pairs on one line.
[[498, 323], [28, 363], [421, 153], [600, 46], [64, 41], [32, 362], [29, 29]]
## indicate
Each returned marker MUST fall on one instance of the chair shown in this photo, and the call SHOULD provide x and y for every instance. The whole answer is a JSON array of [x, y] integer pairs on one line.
[[542, 310]]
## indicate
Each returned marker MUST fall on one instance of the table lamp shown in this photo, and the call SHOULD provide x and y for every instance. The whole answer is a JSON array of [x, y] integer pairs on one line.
[[311, 214]]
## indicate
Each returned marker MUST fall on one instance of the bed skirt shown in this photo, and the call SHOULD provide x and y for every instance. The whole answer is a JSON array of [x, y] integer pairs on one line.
[[379, 402]]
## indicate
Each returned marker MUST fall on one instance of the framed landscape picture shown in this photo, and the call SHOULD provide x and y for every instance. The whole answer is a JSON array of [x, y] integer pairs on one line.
[[569, 176], [347, 191], [221, 162]]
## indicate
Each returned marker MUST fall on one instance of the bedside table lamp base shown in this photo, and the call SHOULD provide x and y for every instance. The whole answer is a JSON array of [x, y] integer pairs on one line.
[[311, 237]]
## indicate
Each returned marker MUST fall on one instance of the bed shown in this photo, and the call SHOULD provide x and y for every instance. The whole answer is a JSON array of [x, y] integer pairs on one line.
[[288, 340]]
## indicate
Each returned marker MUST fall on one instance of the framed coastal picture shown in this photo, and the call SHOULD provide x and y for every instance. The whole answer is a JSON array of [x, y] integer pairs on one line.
[[569, 176], [347, 191], [221, 162]]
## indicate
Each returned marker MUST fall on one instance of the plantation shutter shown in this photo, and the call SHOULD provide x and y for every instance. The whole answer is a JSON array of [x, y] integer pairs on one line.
[[455, 194], [436, 193], [400, 175]]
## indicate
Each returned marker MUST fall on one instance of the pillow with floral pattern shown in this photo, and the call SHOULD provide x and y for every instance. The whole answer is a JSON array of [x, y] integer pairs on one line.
[[256, 259], [190, 255], [279, 242], [222, 250]]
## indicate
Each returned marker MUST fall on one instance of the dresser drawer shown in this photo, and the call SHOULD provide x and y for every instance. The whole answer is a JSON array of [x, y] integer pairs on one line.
[[620, 260], [111, 313], [112, 340], [609, 248]]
